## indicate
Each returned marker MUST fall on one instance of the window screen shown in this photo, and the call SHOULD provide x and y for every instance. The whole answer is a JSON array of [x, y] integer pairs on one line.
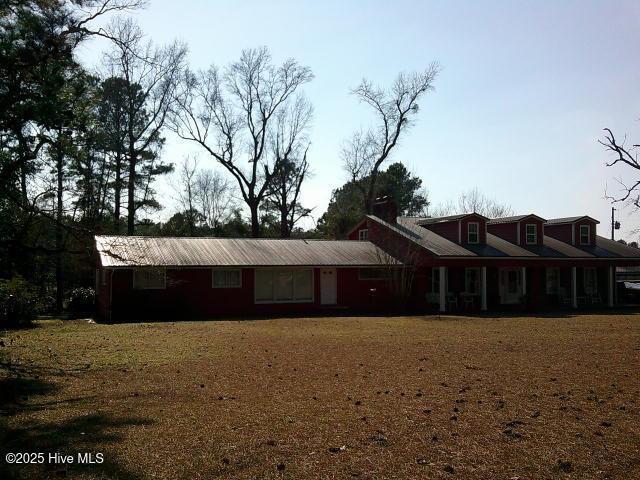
[[473, 229], [149, 278], [284, 285], [227, 278], [532, 233]]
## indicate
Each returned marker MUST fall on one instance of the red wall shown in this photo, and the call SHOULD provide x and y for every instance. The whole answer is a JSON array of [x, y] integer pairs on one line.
[[354, 234], [188, 294], [482, 228], [563, 232], [448, 230], [509, 231]]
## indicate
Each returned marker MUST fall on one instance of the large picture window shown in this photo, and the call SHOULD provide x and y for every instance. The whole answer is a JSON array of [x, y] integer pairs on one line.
[[149, 278], [280, 285], [226, 278]]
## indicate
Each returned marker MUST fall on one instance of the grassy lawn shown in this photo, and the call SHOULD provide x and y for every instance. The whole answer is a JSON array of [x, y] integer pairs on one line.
[[405, 397]]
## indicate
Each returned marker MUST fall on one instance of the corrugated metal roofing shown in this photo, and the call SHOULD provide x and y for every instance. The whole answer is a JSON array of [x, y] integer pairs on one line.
[[512, 219], [617, 247], [433, 242], [508, 248], [564, 248], [448, 218], [121, 251], [558, 221]]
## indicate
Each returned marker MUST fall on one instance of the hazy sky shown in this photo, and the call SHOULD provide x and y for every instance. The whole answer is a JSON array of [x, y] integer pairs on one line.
[[524, 92]]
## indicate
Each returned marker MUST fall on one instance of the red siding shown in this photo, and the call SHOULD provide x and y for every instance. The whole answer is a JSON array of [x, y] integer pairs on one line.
[[354, 235], [508, 231], [559, 232], [448, 230], [189, 294], [481, 225]]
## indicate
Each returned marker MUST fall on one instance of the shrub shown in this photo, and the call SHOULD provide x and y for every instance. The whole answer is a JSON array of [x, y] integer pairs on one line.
[[18, 302], [81, 300]]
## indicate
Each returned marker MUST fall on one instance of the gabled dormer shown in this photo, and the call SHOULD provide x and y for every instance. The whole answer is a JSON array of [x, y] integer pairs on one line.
[[463, 229], [522, 230], [578, 231]]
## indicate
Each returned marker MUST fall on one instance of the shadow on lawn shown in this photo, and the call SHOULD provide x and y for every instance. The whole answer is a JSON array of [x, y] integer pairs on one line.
[[70, 436]]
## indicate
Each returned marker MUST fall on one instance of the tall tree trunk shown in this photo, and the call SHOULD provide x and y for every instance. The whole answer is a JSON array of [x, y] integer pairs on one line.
[[255, 221], [117, 193], [59, 239], [131, 191]]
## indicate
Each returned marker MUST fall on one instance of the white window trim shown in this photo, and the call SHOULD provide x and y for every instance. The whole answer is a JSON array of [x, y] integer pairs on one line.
[[588, 228], [477, 224], [239, 270], [164, 278], [535, 234], [266, 302], [363, 234]]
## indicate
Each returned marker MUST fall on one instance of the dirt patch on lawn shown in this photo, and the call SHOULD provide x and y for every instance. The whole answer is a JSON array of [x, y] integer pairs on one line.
[[406, 397]]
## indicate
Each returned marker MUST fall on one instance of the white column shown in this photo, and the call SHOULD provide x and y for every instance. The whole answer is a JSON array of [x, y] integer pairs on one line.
[[524, 281], [574, 287], [483, 288], [443, 288], [612, 283]]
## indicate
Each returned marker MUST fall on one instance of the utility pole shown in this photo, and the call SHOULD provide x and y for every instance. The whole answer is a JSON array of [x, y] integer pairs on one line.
[[614, 225]]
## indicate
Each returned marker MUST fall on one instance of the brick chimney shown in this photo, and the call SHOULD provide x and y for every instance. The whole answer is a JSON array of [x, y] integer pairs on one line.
[[386, 209]]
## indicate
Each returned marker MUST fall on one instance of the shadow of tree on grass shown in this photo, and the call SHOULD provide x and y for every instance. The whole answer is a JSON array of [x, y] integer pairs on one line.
[[68, 436]]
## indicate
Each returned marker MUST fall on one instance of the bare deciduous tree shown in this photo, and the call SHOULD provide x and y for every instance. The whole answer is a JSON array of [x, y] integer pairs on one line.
[[290, 145], [472, 201], [231, 114], [365, 152], [625, 156], [151, 74], [214, 197]]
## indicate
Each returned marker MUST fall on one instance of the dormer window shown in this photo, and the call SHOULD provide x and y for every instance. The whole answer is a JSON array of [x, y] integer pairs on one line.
[[585, 234], [363, 234], [531, 234], [473, 232]]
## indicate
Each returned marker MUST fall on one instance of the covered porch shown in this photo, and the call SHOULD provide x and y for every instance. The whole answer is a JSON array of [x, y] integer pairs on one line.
[[507, 287]]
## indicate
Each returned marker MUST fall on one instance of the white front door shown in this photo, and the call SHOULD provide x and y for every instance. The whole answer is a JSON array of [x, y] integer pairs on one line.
[[328, 286], [510, 285]]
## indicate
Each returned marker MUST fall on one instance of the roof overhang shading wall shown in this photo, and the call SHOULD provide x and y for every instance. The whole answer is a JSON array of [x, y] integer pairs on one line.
[[121, 251]]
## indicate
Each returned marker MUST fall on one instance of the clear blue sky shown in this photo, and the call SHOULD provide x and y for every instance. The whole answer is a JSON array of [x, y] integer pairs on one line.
[[525, 89]]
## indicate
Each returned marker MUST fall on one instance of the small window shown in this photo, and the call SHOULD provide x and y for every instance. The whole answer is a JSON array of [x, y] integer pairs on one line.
[[373, 273], [585, 234], [363, 234], [149, 278], [472, 280], [226, 278], [473, 229], [531, 234], [553, 281], [590, 281]]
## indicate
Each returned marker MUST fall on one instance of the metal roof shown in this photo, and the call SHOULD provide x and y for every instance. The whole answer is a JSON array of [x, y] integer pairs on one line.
[[617, 248], [513, 219], [448, 218], [438, 245], [559, 221], [122, 251]]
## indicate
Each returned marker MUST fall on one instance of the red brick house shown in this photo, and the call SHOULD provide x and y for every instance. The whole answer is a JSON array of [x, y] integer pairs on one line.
[[458, 263]]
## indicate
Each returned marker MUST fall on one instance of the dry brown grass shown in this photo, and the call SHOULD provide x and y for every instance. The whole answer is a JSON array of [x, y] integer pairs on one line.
[[407, 397]]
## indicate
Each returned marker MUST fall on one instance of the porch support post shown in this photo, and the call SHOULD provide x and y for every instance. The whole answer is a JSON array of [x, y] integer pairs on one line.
[[574, 287], [443, 288], [524, 281], [483, 289], [612, 283]]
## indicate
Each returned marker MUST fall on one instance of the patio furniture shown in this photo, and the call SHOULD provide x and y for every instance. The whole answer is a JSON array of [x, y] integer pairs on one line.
[[468, 302]]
